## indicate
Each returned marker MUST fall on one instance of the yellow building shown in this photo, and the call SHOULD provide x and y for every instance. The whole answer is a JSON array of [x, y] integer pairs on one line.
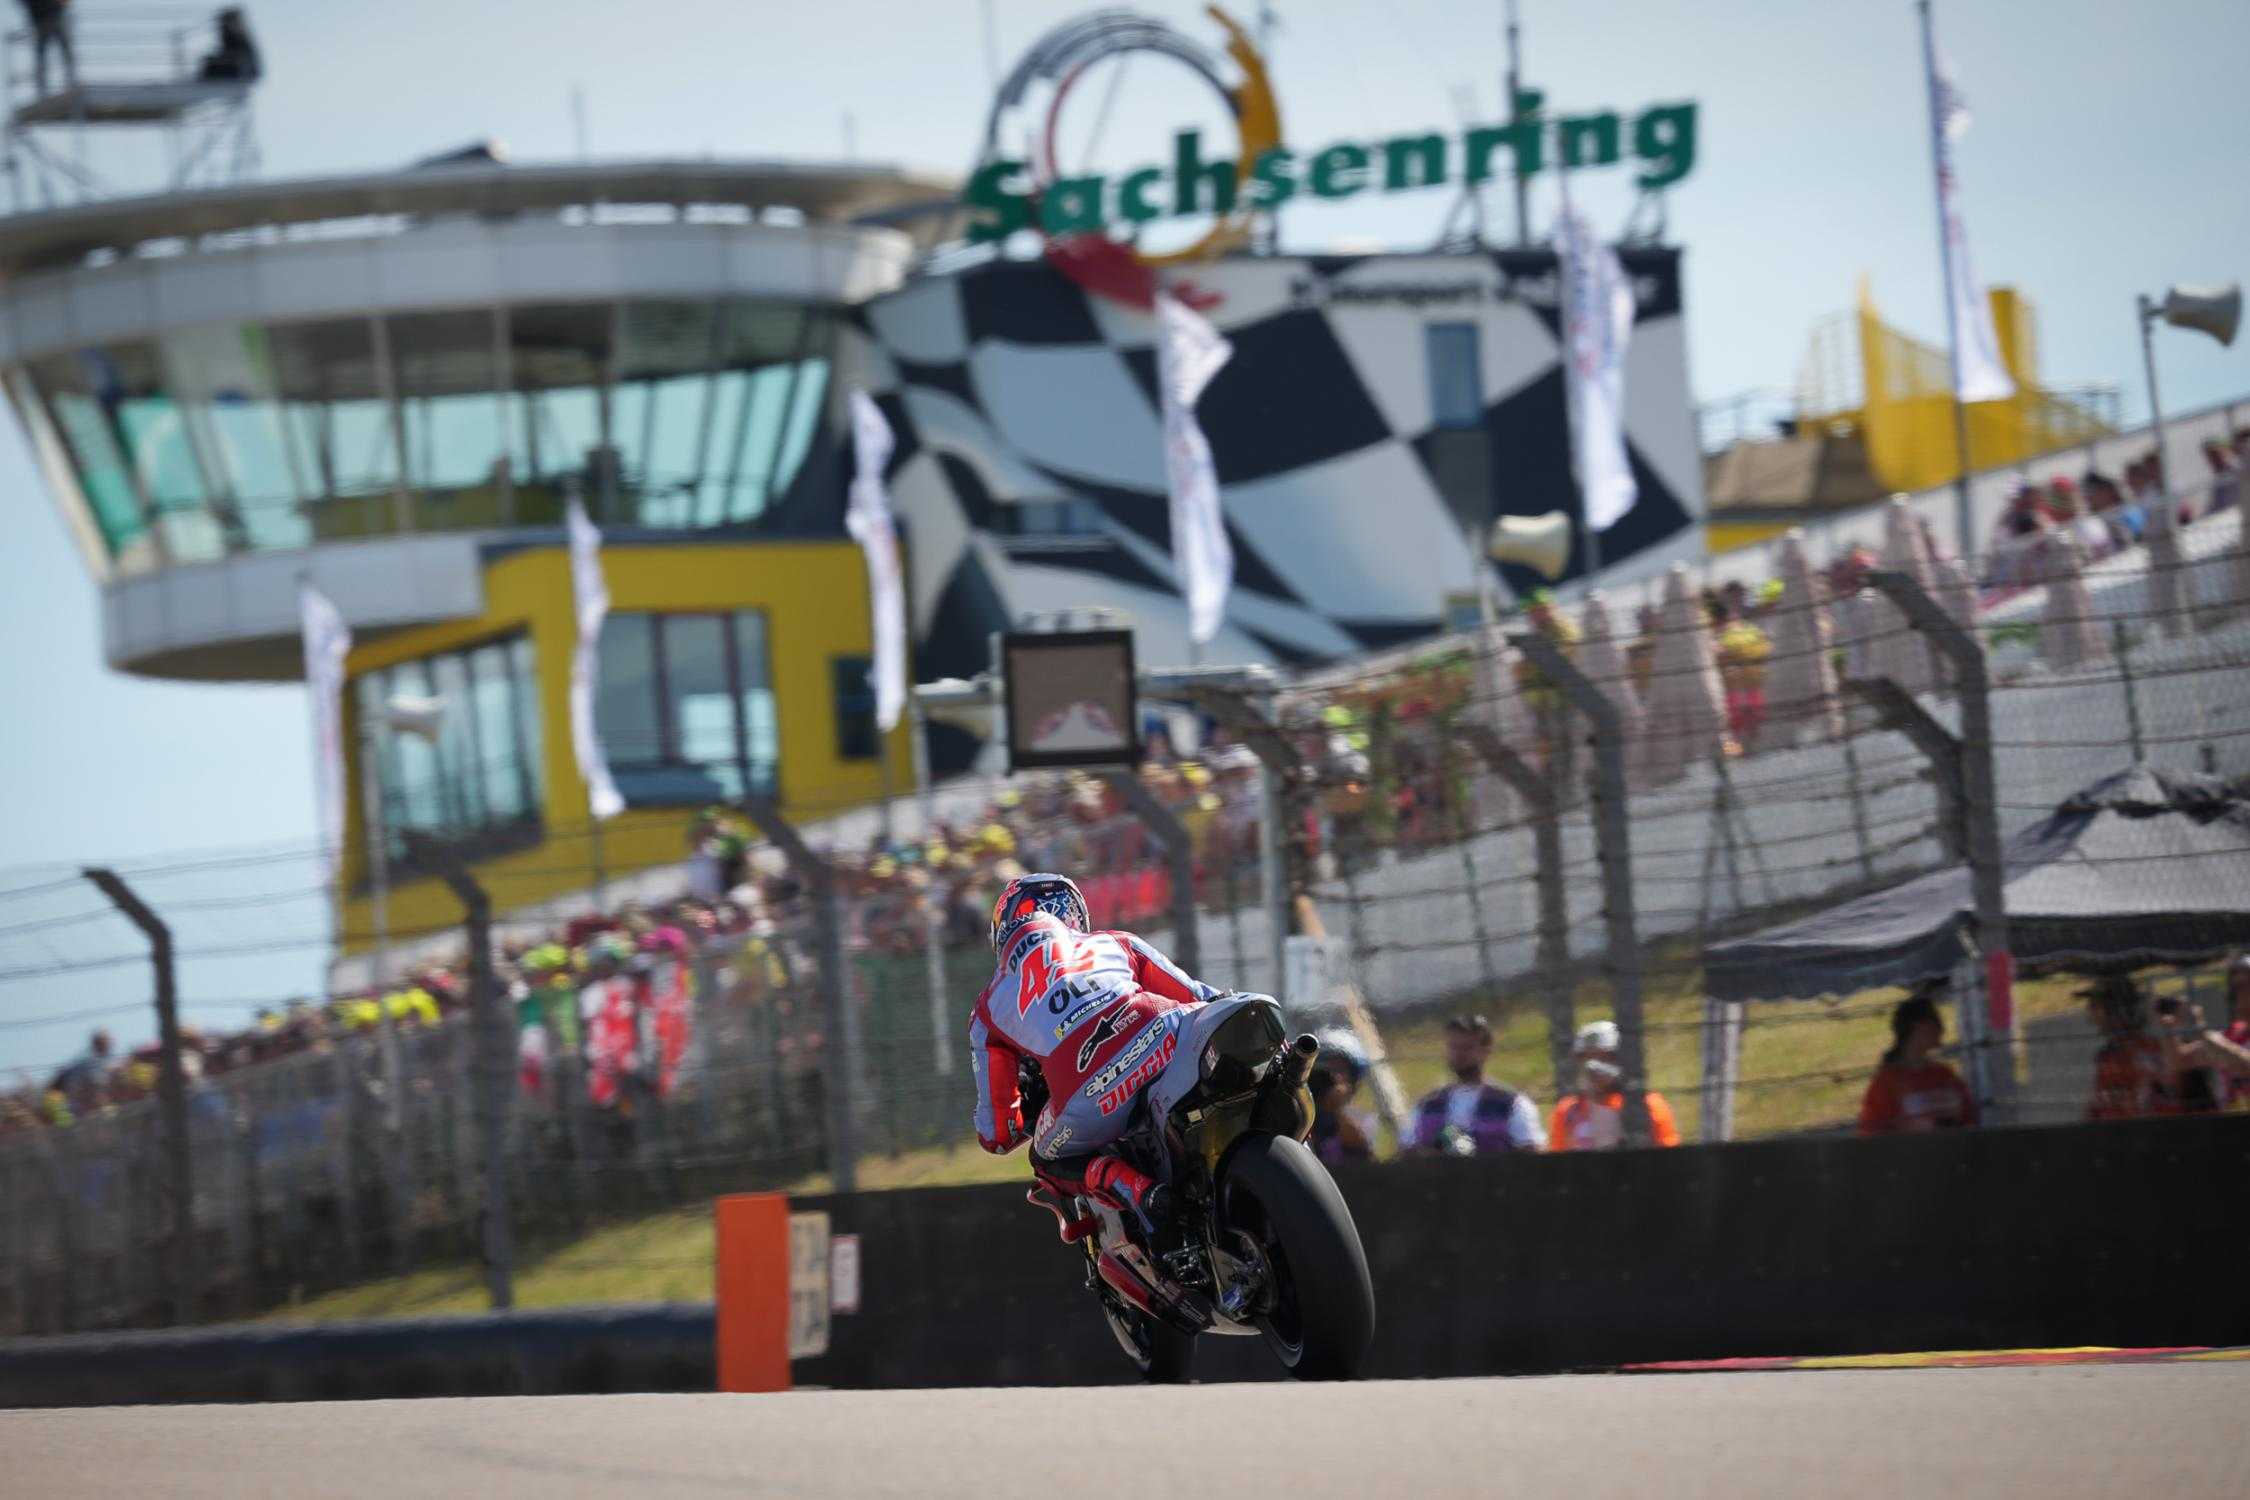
[[724, 667], [1874, 415]]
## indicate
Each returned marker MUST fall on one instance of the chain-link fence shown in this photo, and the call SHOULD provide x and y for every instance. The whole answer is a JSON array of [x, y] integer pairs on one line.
[[1656, 809]]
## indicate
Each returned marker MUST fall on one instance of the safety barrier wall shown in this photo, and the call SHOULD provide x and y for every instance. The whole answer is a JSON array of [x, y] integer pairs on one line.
[[1827, 1245], [1992, 1239]]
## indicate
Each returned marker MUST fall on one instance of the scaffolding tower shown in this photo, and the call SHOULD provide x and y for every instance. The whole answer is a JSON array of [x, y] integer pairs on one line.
[[173, 71]]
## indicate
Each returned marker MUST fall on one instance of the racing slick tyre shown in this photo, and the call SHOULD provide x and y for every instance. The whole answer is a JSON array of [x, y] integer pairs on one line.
[[1319, 1316], [1162, 1353]]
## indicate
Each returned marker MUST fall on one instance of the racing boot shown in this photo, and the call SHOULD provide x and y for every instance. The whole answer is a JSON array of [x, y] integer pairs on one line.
[[1146, 1199]]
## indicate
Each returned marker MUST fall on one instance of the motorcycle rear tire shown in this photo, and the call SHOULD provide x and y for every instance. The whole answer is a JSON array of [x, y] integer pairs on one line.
[[1163, 1354], [1326, 1316]]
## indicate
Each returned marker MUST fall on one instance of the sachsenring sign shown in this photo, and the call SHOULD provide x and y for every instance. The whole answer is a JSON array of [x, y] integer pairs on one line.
[[1231, 183]]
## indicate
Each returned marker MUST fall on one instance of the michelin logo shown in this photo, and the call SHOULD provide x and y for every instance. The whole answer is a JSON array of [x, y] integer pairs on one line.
[[1069, 1023]]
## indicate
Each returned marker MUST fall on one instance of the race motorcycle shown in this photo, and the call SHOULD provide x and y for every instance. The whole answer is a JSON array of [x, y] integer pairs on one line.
[[1260, 1243]]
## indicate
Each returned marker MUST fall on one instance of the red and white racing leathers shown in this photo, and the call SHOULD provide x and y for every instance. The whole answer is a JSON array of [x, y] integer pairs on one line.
[[1101, 1013]]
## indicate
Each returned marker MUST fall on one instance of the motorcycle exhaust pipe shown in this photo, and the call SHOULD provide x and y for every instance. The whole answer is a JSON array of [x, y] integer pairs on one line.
[[1287, 1108]]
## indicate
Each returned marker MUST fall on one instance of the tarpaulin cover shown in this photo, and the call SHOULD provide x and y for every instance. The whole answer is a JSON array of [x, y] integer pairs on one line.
[[2144, 866]]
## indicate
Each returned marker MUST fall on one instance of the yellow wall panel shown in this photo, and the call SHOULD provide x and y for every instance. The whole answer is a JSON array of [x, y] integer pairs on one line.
[[814, 597]]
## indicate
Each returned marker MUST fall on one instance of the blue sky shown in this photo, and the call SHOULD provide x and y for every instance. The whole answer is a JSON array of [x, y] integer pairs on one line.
[[2107, 158]]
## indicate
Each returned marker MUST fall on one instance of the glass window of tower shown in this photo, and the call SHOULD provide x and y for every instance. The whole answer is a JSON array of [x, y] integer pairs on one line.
[[686, 709], [221, 439], [472, 788]]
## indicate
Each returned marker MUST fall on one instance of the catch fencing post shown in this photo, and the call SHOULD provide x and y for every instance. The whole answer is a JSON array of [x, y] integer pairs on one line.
[[1284, 872], [819, 878], [239, 1171], [1980, 802], [1538, 793], [63, 1179], [1856, 792], [171, 1089], [343, 1147], [1722, 1068], [1273, 868], [488, 1022], [461, 1142], [1897, 709], [1288, 879], [18, 1231], [1179, 848], [1614, 840]]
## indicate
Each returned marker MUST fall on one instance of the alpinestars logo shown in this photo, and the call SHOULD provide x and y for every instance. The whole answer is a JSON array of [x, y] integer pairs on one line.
[[1110, 1102], [1113, 1026], [1118, 1064]]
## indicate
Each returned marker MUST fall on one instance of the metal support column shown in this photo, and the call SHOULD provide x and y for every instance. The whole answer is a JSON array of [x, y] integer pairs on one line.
[[489, 1025], [1285, 872], [1179, 848], [842, 1016], [1899, 710], [171, 1091], [1538, 794], [1613, 834], [1980, 803]]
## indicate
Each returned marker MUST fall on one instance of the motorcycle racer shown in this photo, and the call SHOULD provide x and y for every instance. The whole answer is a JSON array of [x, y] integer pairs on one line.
[[1097, 1017]]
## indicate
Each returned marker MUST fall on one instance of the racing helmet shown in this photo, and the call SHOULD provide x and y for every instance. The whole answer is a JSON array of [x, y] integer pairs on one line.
[[1028, 895]]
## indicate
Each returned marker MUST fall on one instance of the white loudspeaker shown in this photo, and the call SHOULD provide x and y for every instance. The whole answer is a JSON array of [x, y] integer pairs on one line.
[[417, 716], [2216, 310], [1540, 542]]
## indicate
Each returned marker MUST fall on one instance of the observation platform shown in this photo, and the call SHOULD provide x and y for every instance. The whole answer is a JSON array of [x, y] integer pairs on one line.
[[374, 381], [157, 103]]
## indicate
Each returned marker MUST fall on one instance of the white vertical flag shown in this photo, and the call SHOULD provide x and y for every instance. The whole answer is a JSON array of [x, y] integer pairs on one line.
[[871, 524], [1189, 352], [591, 595], [1979, 373], [327, 640], [1597, 318]]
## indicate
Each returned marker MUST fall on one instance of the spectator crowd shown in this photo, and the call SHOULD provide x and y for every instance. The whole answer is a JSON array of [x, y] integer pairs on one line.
[[2104, 514], [1390, 781]]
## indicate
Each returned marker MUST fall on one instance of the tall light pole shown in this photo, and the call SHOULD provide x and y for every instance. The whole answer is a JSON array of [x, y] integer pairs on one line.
[[1964, 521], [1515, 117], [2215, 310]]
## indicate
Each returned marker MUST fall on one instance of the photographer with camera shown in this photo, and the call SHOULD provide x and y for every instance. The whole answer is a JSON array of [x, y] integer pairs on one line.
[[1470, 1117]]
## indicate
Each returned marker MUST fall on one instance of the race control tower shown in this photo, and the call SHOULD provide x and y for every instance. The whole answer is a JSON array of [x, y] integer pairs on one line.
[[385, 384]]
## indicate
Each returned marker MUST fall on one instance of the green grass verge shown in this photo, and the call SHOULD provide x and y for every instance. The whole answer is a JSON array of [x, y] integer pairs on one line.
[[664, 1257]]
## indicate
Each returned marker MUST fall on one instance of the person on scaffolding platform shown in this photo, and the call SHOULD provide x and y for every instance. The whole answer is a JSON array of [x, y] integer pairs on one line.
[[50, 27], [237, 59]]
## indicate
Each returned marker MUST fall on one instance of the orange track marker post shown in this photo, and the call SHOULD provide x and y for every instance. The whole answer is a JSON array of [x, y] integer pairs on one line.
[[753, 1286]]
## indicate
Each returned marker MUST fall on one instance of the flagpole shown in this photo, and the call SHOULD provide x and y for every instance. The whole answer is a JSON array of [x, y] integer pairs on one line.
[[1515, 118], [925, 796], [594, 850], [1964, 524]]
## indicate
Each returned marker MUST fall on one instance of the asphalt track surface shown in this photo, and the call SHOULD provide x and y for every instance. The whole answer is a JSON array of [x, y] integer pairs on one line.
[[2173, 1429]]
